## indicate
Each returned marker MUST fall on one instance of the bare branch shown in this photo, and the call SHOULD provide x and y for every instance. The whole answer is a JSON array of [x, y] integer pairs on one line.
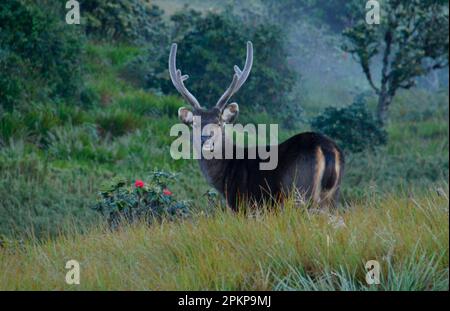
[[366, 70]]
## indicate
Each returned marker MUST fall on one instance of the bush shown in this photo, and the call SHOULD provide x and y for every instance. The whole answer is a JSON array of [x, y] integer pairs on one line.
[[11, 126], [126, 20], [144, 103], [80, 143], [354, 128], [118, 122], [209, 47], [40, 55], [35, 121], [119, 201]]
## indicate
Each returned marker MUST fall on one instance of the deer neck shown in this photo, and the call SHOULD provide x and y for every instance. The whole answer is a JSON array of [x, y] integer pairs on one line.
[[214, 171]]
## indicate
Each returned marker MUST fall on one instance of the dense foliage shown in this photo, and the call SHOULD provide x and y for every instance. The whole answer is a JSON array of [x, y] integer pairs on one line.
[[126, 20], [354, 127], [40, 55]]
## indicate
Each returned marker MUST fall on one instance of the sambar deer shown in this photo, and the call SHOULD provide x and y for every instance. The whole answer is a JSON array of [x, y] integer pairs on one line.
[[308, 163]]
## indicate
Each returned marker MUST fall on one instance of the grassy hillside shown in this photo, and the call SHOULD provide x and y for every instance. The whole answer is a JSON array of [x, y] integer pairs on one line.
[[57, 156], [287, 249]]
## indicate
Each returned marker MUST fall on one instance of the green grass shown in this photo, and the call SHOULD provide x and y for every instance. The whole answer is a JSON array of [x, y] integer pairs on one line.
[[126, 132], [288, 249], [55, 156]]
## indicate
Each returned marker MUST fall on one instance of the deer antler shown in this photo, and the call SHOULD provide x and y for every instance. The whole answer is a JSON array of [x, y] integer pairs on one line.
[[178, 79], [239, 78]]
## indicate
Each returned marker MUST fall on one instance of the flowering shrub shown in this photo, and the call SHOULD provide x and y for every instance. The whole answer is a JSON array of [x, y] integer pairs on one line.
[[121, 200]]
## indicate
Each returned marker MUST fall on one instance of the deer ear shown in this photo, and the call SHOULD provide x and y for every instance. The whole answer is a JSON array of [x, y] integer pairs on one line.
[[230, 113], [185, 115]]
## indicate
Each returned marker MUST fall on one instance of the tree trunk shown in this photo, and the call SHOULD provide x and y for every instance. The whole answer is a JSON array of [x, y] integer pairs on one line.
[[384, 100]]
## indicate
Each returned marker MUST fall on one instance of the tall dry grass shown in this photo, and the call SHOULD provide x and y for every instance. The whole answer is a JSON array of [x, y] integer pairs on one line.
[[288, 249]]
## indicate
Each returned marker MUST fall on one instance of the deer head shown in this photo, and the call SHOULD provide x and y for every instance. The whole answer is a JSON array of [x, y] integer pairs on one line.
[[222, 113]]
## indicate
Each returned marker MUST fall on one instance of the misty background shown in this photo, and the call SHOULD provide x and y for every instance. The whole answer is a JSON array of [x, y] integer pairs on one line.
[[313, 32]]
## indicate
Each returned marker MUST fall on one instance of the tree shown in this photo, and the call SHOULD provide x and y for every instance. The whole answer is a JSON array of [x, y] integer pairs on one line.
[[210, 45], [133, 21], [40, 55], [412, 40]]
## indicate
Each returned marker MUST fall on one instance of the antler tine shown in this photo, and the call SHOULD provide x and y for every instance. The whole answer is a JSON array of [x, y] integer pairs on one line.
[[240, 77], [178, 79], [247, 68], [228, 93]]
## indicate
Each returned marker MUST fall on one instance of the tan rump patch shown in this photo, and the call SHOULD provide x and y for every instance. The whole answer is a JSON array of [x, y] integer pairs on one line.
[[318, 174], [337, 162], [337, 168]]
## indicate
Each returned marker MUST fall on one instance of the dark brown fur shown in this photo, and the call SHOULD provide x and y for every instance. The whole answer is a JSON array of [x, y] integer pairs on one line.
[[242, 179]]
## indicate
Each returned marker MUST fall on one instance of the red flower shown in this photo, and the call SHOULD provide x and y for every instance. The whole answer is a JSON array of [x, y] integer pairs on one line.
[[167, 192], [139, 184]]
